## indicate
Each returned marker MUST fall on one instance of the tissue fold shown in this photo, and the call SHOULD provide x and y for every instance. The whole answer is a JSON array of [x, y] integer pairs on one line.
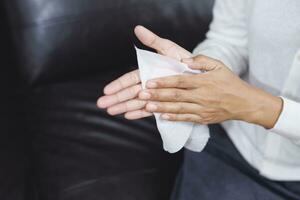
[[175, 135]]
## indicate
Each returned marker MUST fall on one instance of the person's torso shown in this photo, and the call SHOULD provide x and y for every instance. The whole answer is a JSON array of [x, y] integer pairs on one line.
[[273, 41]]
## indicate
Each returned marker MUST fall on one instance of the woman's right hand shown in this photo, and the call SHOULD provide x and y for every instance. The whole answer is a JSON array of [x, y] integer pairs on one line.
[[120, 96]]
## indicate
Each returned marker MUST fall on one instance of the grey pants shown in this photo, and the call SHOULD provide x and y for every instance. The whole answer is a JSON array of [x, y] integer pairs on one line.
[[220, 173]]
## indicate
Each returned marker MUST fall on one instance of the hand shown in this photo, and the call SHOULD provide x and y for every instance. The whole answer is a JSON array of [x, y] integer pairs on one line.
[[212, 97], [121, 94]]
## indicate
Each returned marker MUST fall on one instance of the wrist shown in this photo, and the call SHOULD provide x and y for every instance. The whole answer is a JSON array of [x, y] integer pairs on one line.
[[266, 109]]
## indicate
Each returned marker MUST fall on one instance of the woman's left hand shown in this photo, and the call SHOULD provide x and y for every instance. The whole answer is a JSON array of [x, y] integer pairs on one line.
[[211, 97]]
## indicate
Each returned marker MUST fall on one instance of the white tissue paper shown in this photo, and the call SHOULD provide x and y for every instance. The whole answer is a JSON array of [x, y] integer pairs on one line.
[[175, 135]]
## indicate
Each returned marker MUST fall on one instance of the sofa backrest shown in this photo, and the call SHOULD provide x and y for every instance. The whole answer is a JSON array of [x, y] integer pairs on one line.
[[61, 40]]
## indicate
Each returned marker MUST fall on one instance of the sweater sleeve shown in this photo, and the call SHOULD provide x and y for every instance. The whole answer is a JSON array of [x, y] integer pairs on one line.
[[227, 38], [287, 125]]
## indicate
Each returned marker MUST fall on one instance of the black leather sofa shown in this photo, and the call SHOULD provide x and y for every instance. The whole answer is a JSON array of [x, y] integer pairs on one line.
[[56, 56]]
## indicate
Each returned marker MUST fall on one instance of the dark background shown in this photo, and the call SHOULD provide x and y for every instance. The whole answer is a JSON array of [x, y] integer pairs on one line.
[[56, 57]]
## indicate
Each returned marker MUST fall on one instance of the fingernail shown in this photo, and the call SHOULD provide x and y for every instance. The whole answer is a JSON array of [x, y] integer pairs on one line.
[[145, 95], [112, 111], [187, 60], [151, 84], [151, 107], [165, 116], [101, 103]]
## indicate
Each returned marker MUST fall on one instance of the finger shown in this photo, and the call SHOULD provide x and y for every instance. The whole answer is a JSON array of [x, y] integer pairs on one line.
[[163, 46], [124, 95], [167, 95], [127, 80], [183, 118], [172, 107], [127, 106], [137, 114], [150, 39], [202, 62], [177, 81]]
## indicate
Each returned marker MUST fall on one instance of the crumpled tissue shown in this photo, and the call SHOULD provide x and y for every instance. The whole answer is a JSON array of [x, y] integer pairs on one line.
[[175, 135]]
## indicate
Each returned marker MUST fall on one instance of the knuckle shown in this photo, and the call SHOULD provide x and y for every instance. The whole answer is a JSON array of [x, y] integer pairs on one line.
[[180, 108], [209, 120], [133, 90], [121, 82], [194, 97], [165, 42], [118, 97], [136, 104], [206, 101], [167, 45], [126, 106], [180, 80], [173, 117], [202, 121], [189, 118], [153, 41], [137, 88], [176, 95], [160, 83], [154, 94], [134, 76], [140, 103], [200, 58], [204, 115], [161, 107]]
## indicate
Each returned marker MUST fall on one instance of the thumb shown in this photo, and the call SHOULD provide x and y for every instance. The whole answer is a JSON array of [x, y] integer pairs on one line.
[[202, 63], [163, 46], [149, 38]]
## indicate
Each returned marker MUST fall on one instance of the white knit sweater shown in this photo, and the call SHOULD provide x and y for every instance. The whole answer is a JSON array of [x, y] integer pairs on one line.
[[260, 40]]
